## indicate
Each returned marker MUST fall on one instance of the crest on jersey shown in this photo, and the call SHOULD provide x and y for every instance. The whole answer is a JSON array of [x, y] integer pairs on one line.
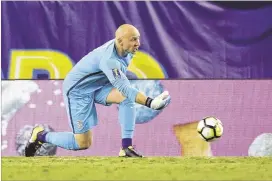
[[80, 125], [116, 73]]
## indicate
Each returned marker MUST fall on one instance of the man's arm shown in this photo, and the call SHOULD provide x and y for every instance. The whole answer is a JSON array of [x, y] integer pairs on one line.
[[119, 80], [141, 98]]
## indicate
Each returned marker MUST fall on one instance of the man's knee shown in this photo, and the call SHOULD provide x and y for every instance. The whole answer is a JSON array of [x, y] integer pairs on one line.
[[115, 97], [118, 98], [84, 140], [127, 102]]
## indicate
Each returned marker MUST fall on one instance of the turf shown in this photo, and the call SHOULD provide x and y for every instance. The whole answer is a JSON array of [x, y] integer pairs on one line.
[[153, 168]]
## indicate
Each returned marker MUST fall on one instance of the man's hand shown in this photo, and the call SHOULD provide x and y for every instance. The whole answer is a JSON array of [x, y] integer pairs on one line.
[[160, 102]]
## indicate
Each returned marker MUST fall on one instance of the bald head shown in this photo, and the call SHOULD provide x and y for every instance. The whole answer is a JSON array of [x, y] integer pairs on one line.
[[127, 39], [126, 30]]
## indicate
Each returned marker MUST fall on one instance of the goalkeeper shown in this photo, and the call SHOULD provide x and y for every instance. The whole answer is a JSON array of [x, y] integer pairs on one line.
[[99, 77]]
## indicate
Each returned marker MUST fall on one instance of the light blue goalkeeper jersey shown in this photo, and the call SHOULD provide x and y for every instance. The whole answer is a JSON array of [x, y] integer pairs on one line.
[[100, 67]]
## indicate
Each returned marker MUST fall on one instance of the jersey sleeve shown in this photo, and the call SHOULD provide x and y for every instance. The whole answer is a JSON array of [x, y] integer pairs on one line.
[[117, 78]]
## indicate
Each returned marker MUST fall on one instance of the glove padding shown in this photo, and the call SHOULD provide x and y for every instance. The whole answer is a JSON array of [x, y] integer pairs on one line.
[[160, 102]]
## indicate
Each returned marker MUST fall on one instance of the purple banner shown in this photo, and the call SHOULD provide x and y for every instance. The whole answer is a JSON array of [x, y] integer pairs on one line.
[[179, 39], [243, 106]]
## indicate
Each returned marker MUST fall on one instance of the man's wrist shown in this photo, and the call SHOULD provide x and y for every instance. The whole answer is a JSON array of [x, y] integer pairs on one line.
[[148, 102]]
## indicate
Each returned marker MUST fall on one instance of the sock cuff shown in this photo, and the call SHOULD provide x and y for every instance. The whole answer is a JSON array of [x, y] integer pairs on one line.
[[126, 142], [42, 136]]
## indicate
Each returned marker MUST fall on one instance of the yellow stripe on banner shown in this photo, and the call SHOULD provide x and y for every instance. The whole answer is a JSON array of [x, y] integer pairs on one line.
[[24, 62], [145, 66]]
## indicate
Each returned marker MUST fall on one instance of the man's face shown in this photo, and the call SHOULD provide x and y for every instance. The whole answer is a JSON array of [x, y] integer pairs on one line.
[[131, 42]]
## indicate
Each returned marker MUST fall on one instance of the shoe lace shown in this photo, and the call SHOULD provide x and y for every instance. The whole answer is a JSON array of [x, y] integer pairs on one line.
[[133, 147]]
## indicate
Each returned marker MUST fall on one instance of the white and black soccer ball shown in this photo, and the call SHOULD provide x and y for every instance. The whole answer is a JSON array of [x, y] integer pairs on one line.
[[210, 128]]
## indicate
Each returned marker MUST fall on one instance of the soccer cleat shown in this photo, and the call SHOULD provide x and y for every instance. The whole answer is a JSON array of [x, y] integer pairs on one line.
[[33, 144], [129, 152]]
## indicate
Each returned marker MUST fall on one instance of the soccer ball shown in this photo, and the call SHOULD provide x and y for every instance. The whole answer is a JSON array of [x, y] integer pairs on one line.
[[210, 129]]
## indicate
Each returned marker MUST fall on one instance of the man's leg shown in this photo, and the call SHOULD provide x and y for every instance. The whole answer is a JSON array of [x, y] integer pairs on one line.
[[82, 116], [68, 140], [109, 95]]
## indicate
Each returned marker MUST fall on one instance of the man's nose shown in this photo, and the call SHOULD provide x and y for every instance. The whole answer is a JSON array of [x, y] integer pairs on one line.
[[138, 43]]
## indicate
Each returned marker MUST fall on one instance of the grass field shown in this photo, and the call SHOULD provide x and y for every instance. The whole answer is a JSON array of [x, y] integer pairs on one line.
[[153, 168]]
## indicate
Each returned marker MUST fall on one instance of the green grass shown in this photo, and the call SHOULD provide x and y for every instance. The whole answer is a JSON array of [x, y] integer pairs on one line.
[[152, 168]]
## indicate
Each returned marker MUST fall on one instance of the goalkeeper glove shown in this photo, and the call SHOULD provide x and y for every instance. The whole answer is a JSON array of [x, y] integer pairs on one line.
[[159, 102]]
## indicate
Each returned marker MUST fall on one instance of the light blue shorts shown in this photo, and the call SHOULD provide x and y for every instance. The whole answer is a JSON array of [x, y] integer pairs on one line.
[[81, 108]]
